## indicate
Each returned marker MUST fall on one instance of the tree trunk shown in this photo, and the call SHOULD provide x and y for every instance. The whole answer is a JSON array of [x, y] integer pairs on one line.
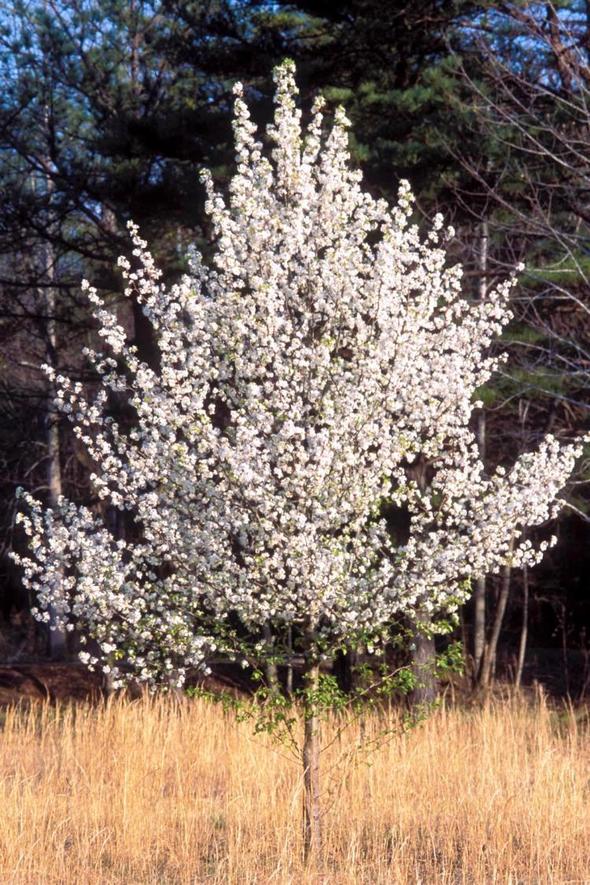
[[525, 626], [57, 642], [271, 669], [479, 626], [312, 823], [423, 649], [423, 667], [289, 676], [479, 596], [489, 657]]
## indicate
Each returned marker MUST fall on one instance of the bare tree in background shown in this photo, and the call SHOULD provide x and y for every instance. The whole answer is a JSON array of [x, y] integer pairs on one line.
[[48, 304], [530, 103], [536, 106]]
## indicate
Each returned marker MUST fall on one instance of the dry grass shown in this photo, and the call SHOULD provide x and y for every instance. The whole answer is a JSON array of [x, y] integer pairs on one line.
[[157, 792]]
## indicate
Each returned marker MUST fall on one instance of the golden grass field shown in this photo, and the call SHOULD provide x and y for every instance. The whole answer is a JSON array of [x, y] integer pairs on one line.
[[161, 791]]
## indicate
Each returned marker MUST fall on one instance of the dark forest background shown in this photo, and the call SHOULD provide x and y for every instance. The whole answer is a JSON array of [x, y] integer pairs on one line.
[[108, 108]]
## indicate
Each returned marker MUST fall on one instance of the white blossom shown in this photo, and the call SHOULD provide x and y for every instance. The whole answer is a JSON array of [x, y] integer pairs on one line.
[[323, 349]]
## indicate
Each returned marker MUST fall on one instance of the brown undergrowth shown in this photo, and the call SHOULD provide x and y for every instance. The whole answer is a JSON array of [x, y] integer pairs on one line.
[[161, 791]]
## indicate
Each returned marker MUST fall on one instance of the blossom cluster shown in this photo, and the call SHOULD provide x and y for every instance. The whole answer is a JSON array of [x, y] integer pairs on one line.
[[324, 347]]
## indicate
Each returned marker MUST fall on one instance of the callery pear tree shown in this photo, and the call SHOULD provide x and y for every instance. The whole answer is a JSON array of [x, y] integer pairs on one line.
[[321, 348]]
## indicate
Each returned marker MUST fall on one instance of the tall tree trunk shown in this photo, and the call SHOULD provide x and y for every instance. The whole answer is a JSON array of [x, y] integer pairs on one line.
[[525, 626], [423, 666], [423, 650], [479, 596], [57, 635], [289, 677], [479, 625], [489, 656], [271, 669], [57, 642], [523, 411], [312, 820]]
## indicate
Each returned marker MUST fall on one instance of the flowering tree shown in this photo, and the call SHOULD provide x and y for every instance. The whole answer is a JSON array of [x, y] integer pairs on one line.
[[323, 349]]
